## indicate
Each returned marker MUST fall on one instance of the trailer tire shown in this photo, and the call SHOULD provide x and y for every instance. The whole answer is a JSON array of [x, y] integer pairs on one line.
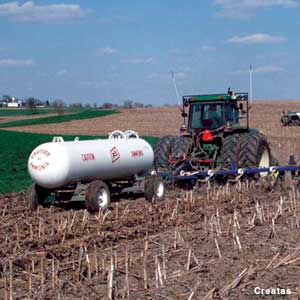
[[162, 151], [35, 196], [154, 189], [97, 196], [255, 152]]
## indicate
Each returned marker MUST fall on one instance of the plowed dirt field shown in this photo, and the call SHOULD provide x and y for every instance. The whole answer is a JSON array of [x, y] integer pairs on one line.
[[217, 243]]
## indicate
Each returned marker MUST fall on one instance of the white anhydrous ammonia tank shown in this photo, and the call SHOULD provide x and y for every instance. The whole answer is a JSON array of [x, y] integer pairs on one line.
[[57, 164]]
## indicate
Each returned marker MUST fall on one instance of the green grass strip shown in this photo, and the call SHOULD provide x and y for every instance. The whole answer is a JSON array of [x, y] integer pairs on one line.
[[29, 112], [86, 114], [15, 148]]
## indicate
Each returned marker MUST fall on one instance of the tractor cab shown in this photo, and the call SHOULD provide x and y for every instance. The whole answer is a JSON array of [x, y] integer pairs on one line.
[[211, 137], [214, 112]]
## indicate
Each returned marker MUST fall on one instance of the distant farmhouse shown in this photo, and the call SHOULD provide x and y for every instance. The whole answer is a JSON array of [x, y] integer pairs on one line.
[[11, 103]]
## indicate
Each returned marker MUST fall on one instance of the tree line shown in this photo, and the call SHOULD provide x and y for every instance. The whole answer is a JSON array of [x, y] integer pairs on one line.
[[34, 103]]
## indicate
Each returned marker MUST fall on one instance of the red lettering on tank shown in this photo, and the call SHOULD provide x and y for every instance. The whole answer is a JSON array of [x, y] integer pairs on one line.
[[40, 151], [137, 153], [88, 156], [114, 153], [39, 167]]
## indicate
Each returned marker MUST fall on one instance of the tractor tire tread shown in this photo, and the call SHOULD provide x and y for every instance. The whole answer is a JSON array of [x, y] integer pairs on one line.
[[251, 146], [230, 150], [162, 150]]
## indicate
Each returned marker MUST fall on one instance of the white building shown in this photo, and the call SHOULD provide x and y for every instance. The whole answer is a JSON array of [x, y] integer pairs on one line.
[[12, 104]]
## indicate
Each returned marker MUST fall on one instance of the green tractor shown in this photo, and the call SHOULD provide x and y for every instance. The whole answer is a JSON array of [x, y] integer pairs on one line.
[[211, 137]]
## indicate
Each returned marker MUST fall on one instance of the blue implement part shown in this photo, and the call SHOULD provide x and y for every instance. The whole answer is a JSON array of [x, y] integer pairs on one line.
[[234, 171]]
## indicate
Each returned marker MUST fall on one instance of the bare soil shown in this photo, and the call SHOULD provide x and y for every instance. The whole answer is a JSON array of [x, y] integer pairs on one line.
[[218, 244], [155, 121]]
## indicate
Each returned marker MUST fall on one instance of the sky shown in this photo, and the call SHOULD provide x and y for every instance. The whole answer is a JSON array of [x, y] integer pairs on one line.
[[111, 51]]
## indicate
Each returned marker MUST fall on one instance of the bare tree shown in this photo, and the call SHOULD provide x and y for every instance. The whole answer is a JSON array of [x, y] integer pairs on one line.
[[31, 104], [128, 104], [59, 106], [138, 104], [76, 105], [107, 105]]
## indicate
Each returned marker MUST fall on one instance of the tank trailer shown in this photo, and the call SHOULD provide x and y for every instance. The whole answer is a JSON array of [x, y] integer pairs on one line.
[[61, 170]]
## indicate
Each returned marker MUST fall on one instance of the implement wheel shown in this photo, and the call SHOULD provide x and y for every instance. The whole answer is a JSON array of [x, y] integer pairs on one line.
[[36, 195], [154, 188], [97, 196]]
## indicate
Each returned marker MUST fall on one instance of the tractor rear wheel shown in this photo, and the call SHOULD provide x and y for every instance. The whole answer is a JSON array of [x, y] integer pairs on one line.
[[255, 151], [97, 196], [36, 195], [181, 149], [162, 151], [154, 188], [230, 151]]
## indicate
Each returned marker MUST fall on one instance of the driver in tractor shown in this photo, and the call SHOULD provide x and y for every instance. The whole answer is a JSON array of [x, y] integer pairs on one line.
[[214, 116]]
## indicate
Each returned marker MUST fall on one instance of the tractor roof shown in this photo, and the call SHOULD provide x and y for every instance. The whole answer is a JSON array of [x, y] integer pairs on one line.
[[216, 97], [208, 97]]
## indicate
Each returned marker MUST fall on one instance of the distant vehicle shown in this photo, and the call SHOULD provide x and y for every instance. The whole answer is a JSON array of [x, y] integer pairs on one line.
[[290, 119]]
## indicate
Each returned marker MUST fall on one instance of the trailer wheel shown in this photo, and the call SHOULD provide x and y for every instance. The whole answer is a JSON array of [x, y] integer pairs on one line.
[[154, 189], [35, 196], [97, 196]]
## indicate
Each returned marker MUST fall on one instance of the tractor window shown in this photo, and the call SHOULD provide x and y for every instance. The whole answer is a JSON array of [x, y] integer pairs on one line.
[[232, 113], [206, 115]]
